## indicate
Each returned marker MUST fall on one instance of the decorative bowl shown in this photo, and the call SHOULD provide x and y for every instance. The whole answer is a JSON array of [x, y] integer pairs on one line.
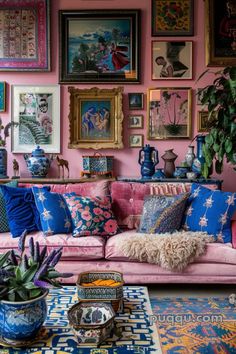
[[191, 175], [92, 322], [180, 171]]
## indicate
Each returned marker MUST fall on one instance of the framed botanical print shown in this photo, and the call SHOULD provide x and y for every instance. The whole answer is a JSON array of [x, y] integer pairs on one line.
[[171, 60], [96, 117], [99, 46], [169, 113], [2, 96], [36, 109], [25, 35], [172, 18], [220, 32]]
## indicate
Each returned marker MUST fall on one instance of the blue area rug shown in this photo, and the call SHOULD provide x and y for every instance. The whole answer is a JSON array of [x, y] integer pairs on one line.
[[195, 326], [137, 334]]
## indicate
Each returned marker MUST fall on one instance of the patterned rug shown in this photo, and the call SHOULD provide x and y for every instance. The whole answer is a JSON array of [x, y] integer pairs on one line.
[[137, 334], [195, 326]]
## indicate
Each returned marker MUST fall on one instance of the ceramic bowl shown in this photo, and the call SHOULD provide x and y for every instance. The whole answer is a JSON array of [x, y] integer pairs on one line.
[[92, 322]]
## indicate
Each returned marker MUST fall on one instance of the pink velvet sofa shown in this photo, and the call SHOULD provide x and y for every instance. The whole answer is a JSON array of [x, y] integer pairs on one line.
[[217, 265]]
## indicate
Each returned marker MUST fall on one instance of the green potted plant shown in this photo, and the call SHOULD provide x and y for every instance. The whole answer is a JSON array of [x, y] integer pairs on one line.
[[220, 100], [24, 283]]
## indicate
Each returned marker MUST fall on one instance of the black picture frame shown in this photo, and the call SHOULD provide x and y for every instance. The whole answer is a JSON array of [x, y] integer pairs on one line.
[[111, 54]]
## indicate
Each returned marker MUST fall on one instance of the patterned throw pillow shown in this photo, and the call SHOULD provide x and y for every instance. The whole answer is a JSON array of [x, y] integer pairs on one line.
[[4, 227], [91, 216], [54, 214], [162, 214], [210, 211]]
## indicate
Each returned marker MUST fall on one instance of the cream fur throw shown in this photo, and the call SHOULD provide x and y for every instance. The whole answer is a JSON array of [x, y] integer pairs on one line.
[[170, 251]]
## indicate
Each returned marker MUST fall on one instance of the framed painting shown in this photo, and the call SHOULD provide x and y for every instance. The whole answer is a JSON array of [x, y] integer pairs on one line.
[[136, 121], [171, 60], [99, 46], [136, 140], [220, 32], [135, 100], [25, 40], [204, 122], [2, 96], [169, 113], [96, 117], [37, 110], [172, 18]]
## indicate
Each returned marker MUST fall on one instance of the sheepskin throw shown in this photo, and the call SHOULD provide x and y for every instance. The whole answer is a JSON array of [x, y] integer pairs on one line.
[[170, 251]]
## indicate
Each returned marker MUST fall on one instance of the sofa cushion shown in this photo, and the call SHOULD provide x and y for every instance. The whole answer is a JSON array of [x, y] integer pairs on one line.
[[4, 226], [81, 248]]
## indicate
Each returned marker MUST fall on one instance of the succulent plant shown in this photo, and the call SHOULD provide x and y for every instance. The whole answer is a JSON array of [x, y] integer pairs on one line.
[[26, 276]]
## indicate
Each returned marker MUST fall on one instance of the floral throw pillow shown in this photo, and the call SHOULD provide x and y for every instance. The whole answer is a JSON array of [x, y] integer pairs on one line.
[[91, 216]]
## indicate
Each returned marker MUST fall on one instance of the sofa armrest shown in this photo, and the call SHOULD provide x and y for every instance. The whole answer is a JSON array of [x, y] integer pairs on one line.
[[233, 228]]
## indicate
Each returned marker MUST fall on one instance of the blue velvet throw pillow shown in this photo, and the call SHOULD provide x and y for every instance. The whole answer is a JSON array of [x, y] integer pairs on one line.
[[210, 211], [54, 214], [162, 214], [22, 213], [4, 226]]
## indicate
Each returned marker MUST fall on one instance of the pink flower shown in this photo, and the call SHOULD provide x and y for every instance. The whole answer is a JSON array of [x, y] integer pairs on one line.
[[86, 215], [96, 219], [110, 226], [79, 224], [88, 223], [107, 215], [97, 211]]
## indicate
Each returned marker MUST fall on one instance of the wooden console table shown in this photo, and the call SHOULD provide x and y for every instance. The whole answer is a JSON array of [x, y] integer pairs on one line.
[[55, 180]]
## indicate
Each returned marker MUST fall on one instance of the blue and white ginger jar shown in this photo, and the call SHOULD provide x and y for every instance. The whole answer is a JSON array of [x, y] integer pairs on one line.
[[38, 163]]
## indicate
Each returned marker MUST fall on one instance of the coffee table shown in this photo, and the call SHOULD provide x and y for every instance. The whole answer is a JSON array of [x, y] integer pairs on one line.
[[135, 333]]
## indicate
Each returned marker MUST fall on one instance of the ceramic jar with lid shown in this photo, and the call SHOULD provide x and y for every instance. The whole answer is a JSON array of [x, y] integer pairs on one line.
[[38, 163]]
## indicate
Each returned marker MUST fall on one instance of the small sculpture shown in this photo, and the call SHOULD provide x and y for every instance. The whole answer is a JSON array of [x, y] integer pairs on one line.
[[61, 163], [15, 168]]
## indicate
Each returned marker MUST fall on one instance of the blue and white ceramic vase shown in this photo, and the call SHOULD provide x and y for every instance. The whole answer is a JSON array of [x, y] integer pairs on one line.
[[199, 160], [148, 159], [38, 163], [21, 321], [3, 163]]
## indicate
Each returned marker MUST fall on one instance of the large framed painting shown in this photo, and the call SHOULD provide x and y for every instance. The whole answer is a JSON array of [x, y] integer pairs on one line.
[[99, 46], [220, 32], [25, 35], [36, 109], [172, 18], [169, 113], [171, 60], [2, 96], [96, 117]]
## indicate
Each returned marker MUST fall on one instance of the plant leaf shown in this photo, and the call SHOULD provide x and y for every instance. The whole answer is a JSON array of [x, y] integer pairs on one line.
[[35, 293], [30, 273]]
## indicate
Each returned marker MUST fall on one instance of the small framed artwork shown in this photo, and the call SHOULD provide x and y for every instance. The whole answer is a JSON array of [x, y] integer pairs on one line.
[[96, 117], [135, 100], [2, 96], [169, 113], [171, 60], [25, 35], [172, 18], [37, 110], [136, 140], [99, 46], [203, 122], [136, 121], [220, 32]]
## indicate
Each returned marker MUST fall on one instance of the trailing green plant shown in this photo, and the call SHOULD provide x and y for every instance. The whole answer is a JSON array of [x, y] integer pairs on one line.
[[220, 100], [5, 131], [24, 277]]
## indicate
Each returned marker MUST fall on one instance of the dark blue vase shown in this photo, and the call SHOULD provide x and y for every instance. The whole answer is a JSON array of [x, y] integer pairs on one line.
[[199, 160], [3, 163], [148, 159]]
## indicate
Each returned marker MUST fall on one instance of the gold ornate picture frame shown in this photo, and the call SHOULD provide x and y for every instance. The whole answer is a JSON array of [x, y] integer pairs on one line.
[[96, 117]]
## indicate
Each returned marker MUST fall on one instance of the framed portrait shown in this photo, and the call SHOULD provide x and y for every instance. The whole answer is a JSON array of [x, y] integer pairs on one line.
[[172, 18], [36, 109], [136, 121], [220, 31], [171, 60], [2, 96], [96, 117], [136, 140], [169, 113], [99, 46], [25, 40], [135, 100]]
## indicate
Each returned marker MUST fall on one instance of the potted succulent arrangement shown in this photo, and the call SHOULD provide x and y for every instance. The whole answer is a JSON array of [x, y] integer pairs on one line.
[[220, 100], [24, 283]]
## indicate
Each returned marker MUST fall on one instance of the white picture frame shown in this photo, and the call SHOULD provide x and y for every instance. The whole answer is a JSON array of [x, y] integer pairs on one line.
[[36, 110]]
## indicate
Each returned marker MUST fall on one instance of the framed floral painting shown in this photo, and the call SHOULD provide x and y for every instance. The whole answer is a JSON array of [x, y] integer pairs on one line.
[[169, 113]]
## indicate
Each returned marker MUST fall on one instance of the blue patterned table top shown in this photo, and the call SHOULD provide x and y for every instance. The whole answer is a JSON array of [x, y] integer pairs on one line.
[[138, 335]]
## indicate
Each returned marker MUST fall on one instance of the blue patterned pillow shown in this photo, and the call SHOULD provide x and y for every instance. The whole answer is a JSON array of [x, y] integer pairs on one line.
[[54, 214], [162, 213], [4, 226], [210, 211], [22, 213]]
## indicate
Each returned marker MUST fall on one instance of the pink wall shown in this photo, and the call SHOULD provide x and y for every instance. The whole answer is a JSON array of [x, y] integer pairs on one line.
[[126, 159]]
